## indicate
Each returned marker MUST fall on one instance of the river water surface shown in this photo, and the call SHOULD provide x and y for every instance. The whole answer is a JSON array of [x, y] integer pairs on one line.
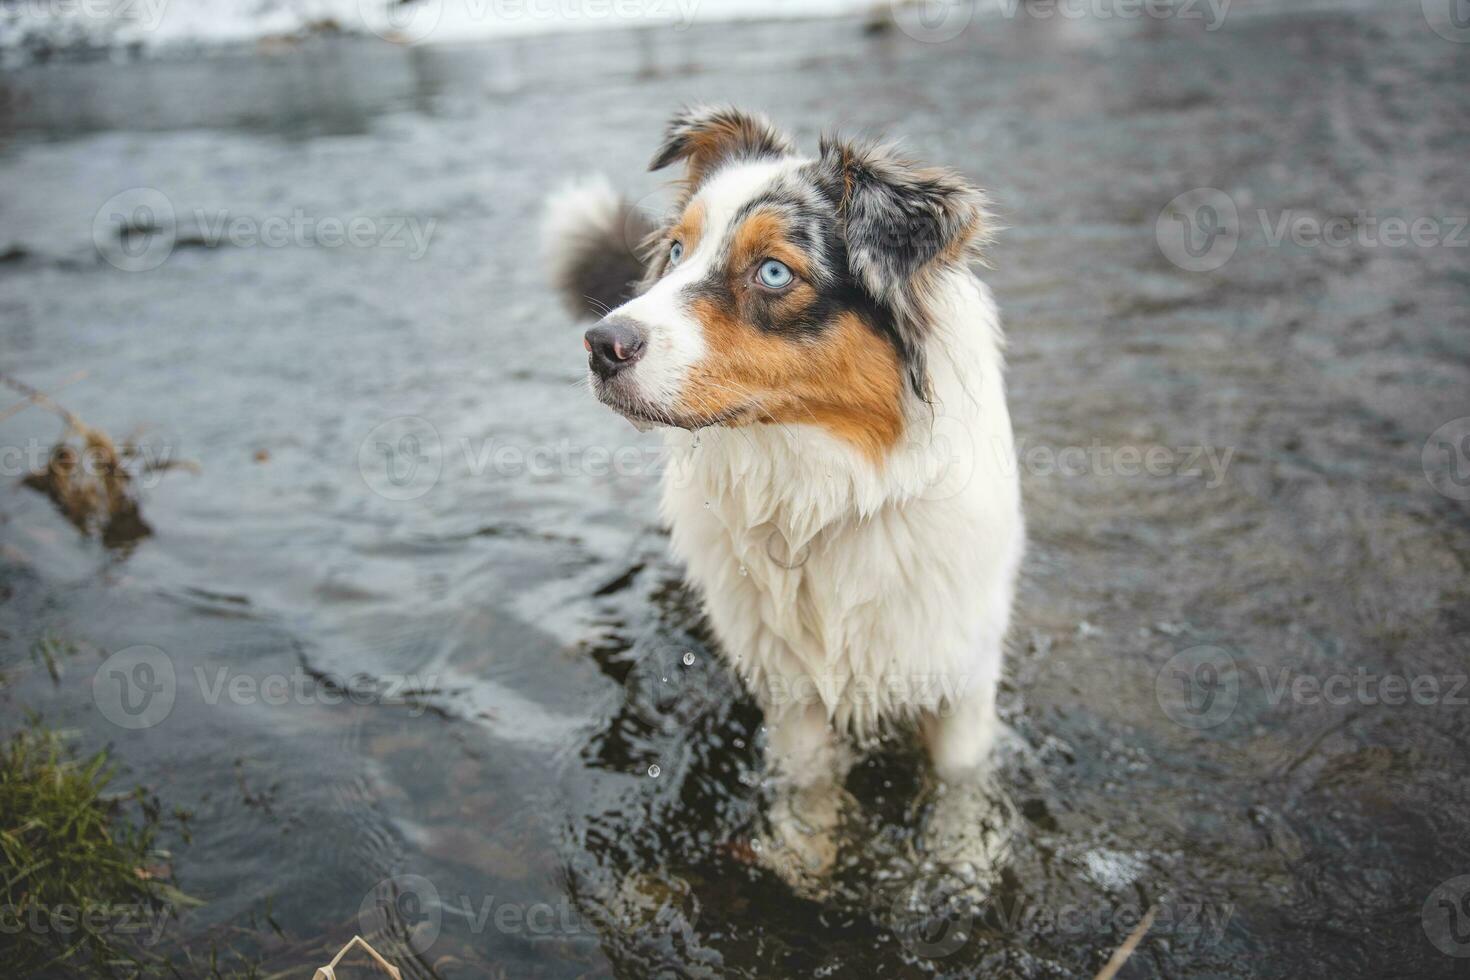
[[422, 647]]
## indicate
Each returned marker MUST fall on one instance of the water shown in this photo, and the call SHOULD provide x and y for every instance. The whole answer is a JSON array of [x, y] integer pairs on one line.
[[427, 647]]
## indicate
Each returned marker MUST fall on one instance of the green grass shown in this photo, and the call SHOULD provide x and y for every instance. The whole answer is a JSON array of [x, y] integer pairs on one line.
[[83, 888], [76, 897]]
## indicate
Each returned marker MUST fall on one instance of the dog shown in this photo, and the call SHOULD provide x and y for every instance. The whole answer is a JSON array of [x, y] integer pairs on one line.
[[841, 483]]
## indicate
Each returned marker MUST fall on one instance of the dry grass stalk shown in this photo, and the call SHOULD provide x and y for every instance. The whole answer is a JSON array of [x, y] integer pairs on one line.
[[328, 972], [86, 475], [1129, 945]]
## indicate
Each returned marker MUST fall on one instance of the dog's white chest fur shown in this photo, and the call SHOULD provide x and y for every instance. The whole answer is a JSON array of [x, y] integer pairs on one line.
[[875, 594]]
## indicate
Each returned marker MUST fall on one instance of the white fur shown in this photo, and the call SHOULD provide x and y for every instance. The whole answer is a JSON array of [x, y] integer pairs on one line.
[[584, 208], [848, 595], [901, 579]]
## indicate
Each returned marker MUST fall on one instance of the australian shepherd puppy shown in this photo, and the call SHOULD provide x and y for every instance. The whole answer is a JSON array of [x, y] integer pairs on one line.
[[842, 484]]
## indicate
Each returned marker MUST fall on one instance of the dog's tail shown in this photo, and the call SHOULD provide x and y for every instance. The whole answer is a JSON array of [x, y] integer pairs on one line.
[[593, 240]]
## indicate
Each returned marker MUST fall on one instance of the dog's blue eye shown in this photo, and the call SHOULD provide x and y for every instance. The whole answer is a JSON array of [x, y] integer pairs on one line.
[[774, 275], [676, 252]]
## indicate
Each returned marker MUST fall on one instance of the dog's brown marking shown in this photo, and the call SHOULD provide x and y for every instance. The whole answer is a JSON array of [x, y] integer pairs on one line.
[[846, 379], [724, 134], [763, 236], [690, 227]]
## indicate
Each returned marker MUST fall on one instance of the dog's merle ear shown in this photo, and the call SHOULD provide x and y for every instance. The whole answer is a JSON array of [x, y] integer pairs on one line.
[[902, 224], [899, 217], [706, 136]]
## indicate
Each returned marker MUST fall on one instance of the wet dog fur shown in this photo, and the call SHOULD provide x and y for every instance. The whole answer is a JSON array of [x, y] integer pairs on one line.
[[842, 484]]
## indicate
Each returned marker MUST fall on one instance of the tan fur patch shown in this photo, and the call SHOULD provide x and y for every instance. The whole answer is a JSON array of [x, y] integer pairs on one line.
[[847, 380], [763, 236], [690, 227], [713, 141]]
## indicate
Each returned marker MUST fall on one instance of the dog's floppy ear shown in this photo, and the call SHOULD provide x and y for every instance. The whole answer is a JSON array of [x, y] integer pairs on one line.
[[706, 136], [902, 224]]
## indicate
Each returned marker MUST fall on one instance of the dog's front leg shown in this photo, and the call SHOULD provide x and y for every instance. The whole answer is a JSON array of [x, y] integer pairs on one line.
[[960, 735], [807, 763], [969, 828]]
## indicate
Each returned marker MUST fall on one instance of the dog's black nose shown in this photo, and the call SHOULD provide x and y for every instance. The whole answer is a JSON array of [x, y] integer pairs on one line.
[[613, 345]]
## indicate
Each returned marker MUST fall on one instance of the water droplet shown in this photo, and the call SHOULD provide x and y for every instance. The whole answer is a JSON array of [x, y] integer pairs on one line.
[[756, 845], [706, 505], [739, 743], [743, 570], [654, 770], [688, 658]]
